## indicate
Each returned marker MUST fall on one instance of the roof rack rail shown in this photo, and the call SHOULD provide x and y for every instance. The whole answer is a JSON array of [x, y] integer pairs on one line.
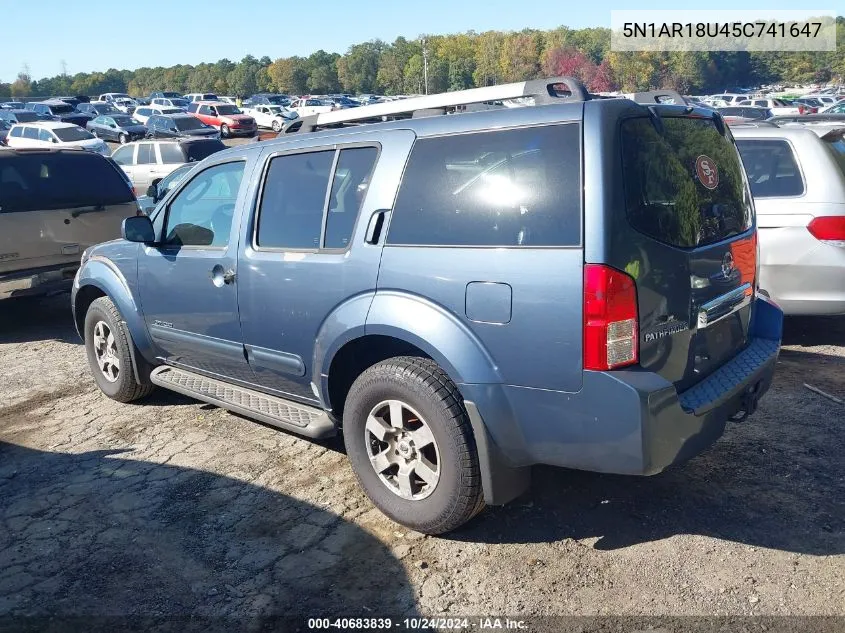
[[542, 91], [653, 97]]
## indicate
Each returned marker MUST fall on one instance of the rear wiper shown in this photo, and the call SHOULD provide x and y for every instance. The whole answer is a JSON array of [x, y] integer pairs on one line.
[[95, 209]]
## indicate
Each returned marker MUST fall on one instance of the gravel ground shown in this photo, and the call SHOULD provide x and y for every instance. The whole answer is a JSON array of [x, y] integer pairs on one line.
[[175, 507]]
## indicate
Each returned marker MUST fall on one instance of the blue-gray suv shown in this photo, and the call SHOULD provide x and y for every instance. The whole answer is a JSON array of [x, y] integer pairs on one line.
[[464, 295]]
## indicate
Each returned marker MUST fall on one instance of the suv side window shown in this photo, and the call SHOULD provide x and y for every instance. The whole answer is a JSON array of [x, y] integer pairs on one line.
[[771, 167], [205, 110], [123, 155], [171, 154], [349, 187], [201, 213], [293, 199], [31, 133], [45, 135], [518, 187], [146, 154]]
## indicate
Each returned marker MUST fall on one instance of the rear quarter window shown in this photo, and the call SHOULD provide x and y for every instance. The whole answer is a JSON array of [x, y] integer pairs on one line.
[[505, 188], [772, 168], [36, 182], [664, 173]]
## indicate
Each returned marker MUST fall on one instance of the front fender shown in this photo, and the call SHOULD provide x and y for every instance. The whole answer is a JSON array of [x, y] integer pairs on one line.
[[102, 273], [436, 331]]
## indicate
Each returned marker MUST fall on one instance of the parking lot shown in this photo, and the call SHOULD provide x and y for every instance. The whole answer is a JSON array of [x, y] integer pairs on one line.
[[175, 507]]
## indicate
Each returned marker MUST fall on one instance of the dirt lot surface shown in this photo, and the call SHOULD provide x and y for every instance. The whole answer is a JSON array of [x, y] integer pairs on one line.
[[175, 507]]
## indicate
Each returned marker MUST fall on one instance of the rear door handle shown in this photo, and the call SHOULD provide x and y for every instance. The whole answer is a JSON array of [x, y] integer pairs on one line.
[[376, 226]]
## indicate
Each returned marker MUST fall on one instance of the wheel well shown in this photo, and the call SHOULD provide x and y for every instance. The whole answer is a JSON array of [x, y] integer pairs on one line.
[[356, 357], [85, 296]]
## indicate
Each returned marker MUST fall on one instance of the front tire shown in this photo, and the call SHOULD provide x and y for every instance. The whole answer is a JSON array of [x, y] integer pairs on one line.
[[224, 131], [123, 139], [410, 443], [109, 357]]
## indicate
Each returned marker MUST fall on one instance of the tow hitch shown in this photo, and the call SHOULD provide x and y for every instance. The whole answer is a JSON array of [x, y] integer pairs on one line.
[[748, 403]]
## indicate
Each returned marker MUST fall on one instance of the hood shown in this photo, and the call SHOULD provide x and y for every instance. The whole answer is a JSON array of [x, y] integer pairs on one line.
[[135, 129]]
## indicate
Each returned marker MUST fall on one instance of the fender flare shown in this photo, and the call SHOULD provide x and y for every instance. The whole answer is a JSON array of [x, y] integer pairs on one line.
[[100, 272]]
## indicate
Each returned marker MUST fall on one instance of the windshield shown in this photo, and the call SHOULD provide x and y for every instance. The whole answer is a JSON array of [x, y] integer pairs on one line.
[[125, 121], [171, 95], [71, 134], [179, 103], [277, 100], [26, 117], [61, 109], [189, 123], [684, 184], [119, 95], [106, 109], [227, 109]]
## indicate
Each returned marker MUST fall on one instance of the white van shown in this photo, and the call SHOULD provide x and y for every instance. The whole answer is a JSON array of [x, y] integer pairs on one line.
[[55, 134]]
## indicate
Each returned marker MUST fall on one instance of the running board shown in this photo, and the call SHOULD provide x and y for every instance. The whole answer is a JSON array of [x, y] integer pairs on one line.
[[284, 414]]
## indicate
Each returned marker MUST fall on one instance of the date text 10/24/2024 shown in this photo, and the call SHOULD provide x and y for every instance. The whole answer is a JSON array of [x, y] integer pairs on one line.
[[481, 624]]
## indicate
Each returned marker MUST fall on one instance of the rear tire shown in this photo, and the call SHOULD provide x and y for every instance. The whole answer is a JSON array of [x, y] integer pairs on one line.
[[277, 127], [423, 471], [109, 357]]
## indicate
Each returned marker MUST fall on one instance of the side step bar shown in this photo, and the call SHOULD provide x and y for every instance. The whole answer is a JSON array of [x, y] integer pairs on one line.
[[284, 414]]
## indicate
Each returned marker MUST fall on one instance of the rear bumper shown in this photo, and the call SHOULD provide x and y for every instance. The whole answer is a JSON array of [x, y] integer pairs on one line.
[[37, 281], [632, 421]]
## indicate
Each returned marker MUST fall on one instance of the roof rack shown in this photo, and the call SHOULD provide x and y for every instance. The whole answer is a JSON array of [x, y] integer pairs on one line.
[[536, 92], [542, 91]]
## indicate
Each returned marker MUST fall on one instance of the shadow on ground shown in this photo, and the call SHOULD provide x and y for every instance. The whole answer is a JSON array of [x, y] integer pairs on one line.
[[812, 331], [29, 319], [97, 533]]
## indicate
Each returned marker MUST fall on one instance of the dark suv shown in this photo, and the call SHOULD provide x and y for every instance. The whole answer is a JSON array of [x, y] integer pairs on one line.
[[571, 283], [59, 111]]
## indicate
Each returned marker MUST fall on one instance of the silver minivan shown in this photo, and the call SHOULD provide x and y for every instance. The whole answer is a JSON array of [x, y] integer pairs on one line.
[[54, 203], [797, 178]]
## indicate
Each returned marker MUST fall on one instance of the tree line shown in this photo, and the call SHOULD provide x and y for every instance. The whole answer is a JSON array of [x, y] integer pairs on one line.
[[438, 63]]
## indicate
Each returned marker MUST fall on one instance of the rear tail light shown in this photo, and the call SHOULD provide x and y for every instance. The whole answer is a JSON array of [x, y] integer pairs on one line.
[[829, 229], [610, 318]]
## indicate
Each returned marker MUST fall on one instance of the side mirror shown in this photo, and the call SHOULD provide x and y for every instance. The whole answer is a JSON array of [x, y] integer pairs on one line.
[[138, 228], [152, 192]]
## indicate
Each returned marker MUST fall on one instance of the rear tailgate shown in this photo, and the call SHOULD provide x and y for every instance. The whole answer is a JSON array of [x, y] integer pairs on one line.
[[53, 205], [693, 248]]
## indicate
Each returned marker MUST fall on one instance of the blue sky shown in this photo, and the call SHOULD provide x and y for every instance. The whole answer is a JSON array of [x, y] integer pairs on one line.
[[100, 34]]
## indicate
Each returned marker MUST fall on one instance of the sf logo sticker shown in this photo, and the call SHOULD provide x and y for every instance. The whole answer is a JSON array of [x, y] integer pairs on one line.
[[705, 169]]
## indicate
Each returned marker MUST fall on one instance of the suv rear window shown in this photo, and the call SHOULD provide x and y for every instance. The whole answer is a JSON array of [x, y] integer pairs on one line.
[[504, 188], [199, 150], [684, 185], [771, 168], [45, 181]]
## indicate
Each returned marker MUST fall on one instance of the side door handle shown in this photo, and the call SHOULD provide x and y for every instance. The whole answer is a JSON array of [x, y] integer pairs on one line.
[[221, 277], [376, 226]]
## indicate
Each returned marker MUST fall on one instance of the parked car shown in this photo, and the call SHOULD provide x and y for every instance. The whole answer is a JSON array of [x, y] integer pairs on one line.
[[837, 108], [307, 107], [97, 108], [54, 204], [811, 106], [117, 127], [75, 101], [228, 99], [797, 178], [423, 282], [19, 116], [743, 114], [5, 126], [12, 105], [141, 101], [269, 98], [147, 162], [53, 133], [224, 116], [171, 102], [143, 113], [179, 126], [776, 106], [270, 116], [201, 96], [165, 94], [113, 96], [126, 105], [59, 111], [155, 193]]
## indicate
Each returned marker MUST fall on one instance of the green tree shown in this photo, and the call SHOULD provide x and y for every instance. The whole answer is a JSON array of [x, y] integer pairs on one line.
[[487, 53], [358, 69], [22, 86]]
